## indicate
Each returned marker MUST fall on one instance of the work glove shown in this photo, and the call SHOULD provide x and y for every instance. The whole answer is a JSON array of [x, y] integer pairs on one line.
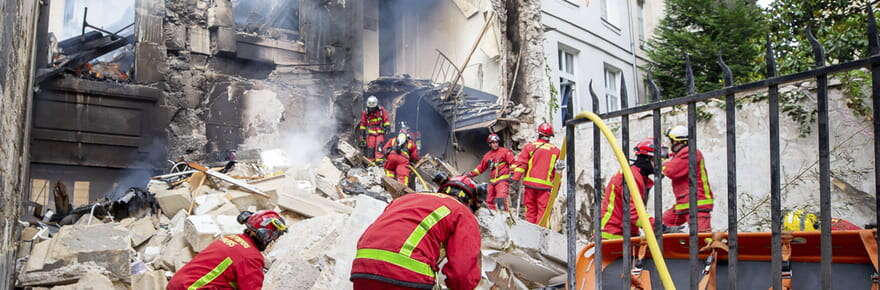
[[560, 165]]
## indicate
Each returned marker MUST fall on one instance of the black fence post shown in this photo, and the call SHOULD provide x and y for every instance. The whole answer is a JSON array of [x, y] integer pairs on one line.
[[824, 162], [693, 245], [627, 226], [775, 189], [875, 96], [597, 201], [730, 126], [658, 166], [571, 191]]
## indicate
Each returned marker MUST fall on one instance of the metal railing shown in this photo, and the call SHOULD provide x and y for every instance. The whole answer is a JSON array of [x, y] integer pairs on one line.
[[771, 84]]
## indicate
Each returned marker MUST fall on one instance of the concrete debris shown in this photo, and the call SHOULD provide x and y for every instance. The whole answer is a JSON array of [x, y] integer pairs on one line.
[[150, 280], [352, 154], [327, 208], [171, 200], [90, 281]]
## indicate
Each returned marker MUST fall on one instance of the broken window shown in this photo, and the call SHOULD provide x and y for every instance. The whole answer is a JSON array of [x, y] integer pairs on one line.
[[267, 16], [612, 88]]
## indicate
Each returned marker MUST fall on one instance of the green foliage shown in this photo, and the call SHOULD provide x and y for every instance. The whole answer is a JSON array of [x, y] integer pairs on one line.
[[703, 28], [553, 104]]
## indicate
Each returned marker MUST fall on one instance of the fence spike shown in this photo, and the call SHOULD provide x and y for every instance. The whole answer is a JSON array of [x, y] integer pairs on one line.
[[655, 91], [818, 49], [594, 97], [689, 73], [872, 30], [728, 75], [770, 59]]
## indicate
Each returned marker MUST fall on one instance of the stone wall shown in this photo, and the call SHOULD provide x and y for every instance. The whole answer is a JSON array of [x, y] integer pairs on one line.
[[17, 26], [851, 160]]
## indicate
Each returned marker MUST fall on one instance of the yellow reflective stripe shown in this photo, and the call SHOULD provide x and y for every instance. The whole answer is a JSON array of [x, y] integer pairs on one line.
[[420, 231], [519, 169], [388, 124], [379, 119], [610, 236], [552, 166], [216, 272], [396, 259], [609, 209], [705, 178], [500, 178], [538, 181], [378, 131], [476, 172], [681, 206]]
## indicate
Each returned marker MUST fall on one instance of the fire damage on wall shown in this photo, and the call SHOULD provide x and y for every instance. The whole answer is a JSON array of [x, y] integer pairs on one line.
[[253, 106]]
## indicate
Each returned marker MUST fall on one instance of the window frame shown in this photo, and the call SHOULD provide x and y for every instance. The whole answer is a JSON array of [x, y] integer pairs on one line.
[[612, 88]]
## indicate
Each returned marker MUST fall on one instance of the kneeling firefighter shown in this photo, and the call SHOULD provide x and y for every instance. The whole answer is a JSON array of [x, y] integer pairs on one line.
[[403, 248]]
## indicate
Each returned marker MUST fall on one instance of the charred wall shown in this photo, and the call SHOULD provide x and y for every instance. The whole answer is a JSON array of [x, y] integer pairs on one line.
[[17, 27], [233, 85]]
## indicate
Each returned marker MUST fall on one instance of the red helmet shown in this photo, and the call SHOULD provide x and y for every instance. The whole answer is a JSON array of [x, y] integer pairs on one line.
[[646, 147], [465, 190], [265, 226], [493, 138], [545, 129]]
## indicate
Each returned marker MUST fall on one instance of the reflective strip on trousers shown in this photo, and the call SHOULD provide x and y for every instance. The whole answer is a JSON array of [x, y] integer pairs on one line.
[[610, 236], [500, 178], [682, 206], [402, 258], [213, 274]]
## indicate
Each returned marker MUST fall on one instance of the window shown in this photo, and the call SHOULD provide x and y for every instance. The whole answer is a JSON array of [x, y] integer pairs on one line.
[[609, 11], [566, 62], [612, 88], [566, 78], [641, 20]]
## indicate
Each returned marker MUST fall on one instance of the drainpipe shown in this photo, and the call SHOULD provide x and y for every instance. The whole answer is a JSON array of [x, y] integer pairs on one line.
[[632, 49]]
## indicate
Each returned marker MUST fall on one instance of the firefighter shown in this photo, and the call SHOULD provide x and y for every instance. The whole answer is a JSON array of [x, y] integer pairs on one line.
[[234, 261], [498, 162], [400, 152], [612, 201], [677, 171], [403, 248], [534, 170], [373, 125]]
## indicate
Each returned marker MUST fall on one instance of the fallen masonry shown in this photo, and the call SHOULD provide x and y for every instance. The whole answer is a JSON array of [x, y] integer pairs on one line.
[[325, 222]]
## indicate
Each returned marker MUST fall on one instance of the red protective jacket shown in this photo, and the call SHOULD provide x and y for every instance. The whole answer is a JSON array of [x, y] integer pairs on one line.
[[612, 204], [403, 246], [231, 262], [374, 122], [410, 151], [498, 162], [536, 162], [677, 171]]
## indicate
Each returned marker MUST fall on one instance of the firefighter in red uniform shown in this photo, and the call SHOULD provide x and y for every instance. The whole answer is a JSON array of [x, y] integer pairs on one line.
[[234, 261], [677, 171], [373, 125], [400, 153], [498, 161], [612, 201], [534, 170], [403, 248]]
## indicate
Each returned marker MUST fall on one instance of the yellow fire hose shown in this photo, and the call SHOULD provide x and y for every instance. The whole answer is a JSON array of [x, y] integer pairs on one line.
[[644, 222], [419, 177]]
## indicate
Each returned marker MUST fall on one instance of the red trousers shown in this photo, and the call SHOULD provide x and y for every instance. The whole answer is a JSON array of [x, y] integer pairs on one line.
[[671, 217], [374, 144], [370, 284], [397, 166], [498, 190], [535, 201]]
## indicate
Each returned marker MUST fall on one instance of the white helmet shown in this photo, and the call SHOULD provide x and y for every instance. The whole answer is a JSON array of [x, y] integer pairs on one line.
[[372, 102], [677, 133]]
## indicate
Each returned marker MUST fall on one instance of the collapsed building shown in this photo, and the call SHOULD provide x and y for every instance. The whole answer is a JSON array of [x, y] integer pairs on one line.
[[123, 92]]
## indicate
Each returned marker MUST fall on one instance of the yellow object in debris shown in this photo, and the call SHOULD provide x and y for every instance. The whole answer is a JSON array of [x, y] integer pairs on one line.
[[798, 221], [419, 177]]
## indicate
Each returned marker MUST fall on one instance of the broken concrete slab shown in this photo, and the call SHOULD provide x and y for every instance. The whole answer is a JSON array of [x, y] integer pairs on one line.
[[227, 208], [536, 254], [220, 16], [396, 189], [200, 231], [300, 204], [207, 203], [328, 170], [328, 187], [141, 230], [171, 200], [91, 280], [352, 154], [175, 253], [150, 280], [291, 273], [229, 224], [243, 200], [105, 245]]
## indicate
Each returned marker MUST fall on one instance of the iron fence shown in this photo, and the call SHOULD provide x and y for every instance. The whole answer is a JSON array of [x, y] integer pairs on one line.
[[771, 84]]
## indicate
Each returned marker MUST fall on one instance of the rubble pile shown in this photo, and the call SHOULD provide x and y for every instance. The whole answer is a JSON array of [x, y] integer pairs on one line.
[[327, 210]]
